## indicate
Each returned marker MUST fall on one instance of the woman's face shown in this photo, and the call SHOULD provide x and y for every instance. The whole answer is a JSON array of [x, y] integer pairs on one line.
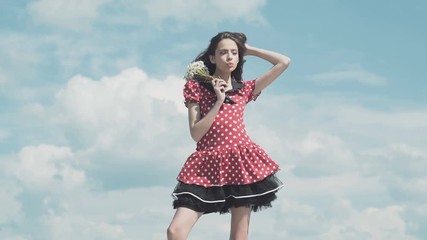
[[226, 56]]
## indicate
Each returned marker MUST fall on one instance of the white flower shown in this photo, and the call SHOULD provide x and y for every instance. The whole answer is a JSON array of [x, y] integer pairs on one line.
[[198, 71]]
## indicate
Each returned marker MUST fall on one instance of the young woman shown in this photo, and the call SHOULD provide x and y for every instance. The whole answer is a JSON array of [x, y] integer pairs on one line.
[[228, 172]]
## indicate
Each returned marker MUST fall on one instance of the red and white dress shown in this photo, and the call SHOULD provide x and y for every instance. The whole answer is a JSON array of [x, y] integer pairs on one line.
[[228, 169]]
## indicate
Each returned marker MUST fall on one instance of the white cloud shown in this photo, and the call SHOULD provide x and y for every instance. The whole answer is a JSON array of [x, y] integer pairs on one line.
[[343, 162], [204, 12], [4, 134], [79, 15], [321, 153], [348, 74], [76, 14], [357, 115], [317, 142], [47, 168], [123, 113], [399, 159], [19, 57], [372, 223], [16, 49], [3, 78], [339, 207], [11, 207], [10, 235], [79, 227], [122, 214], [117, 99]]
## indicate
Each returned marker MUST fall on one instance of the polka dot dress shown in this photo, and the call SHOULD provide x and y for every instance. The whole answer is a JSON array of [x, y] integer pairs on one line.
[[225, 155]]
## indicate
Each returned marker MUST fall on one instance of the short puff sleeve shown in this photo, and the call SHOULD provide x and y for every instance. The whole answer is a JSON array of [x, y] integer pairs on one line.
[[250, 88], [191, 92]]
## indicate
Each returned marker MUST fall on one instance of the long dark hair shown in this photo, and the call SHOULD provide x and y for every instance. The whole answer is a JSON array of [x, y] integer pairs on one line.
[[239, 39]]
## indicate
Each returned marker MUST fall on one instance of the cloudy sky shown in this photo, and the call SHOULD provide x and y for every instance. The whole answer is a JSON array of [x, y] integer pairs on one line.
[[93, 130]]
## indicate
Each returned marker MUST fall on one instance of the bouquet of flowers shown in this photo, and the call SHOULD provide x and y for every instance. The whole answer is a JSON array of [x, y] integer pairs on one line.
[[198, 71]]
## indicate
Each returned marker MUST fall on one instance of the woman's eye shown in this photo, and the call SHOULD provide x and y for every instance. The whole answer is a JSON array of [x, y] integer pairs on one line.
[[225, 52]]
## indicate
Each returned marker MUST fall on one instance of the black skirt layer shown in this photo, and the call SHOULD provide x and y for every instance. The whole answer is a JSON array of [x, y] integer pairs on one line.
[[220, 199]]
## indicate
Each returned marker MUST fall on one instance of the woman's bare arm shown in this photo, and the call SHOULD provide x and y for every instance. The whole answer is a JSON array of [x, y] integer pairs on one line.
[[200, 126], [280, 62]]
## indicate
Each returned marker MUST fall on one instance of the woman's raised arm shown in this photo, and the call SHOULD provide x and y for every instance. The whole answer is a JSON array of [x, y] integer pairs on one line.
[[280, 62]]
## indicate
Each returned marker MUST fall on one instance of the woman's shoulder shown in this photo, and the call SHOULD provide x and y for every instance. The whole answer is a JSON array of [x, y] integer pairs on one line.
[[191, 82], [248, 89], [249, 83]]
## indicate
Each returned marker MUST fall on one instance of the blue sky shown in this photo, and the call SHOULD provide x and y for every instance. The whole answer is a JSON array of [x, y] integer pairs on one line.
[[93, 129]]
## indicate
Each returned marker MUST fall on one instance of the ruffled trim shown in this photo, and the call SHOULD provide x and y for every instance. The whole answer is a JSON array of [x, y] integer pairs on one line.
[[258, 196], [221, 166]]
